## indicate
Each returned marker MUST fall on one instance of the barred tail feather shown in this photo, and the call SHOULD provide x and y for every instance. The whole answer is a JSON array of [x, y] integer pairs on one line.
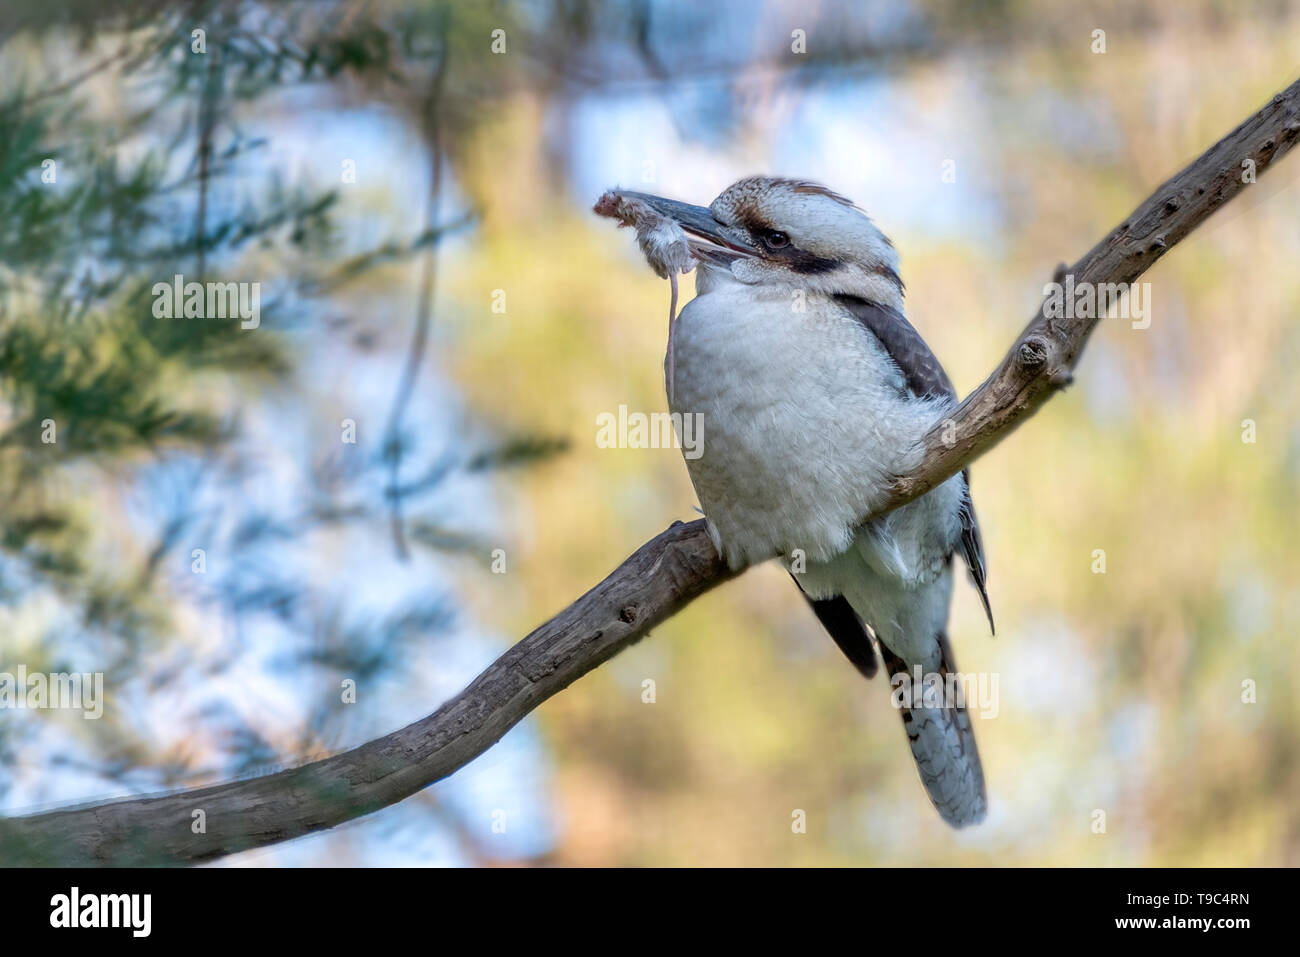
[[943, 745]]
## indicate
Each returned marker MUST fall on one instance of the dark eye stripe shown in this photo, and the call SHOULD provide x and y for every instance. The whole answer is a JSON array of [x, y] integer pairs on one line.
[[806, 263], [799, 260]]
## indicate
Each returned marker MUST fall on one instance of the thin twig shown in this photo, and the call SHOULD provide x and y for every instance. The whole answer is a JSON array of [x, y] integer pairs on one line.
[[424, 304], [207, 122]]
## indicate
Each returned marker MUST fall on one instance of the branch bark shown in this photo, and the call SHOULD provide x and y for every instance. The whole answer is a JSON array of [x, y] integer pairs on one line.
[[661, 577]]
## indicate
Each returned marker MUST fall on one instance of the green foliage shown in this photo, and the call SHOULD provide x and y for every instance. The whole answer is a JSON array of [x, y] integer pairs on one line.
[[125, 161]]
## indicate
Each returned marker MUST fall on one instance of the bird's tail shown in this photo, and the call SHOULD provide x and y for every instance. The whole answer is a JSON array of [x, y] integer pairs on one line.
[[942, 742]]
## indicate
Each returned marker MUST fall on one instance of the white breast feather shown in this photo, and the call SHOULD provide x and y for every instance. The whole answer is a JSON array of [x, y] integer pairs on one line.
[[804, 426]]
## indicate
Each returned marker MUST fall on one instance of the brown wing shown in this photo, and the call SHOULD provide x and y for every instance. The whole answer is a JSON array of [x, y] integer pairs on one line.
[[924, 376], [846, 628], [921, 371], [972, 548]]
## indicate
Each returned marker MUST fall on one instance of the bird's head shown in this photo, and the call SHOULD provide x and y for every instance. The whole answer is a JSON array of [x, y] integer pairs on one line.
[[789, 234]]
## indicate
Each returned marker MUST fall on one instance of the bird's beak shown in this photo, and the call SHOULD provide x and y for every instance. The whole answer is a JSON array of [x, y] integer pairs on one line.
[[721, 244]]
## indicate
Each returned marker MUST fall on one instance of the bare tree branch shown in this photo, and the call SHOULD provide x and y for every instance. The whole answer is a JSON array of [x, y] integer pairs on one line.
[[1040, 362], [658, 579]]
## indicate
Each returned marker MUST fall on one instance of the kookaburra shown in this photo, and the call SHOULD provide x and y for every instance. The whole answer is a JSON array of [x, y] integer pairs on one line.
[[815, 392]]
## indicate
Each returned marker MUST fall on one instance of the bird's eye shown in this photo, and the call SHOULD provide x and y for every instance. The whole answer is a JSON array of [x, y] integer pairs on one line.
[[774, 239]]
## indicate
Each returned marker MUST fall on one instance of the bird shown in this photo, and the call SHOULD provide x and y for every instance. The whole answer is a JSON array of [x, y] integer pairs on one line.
[[814, 392]]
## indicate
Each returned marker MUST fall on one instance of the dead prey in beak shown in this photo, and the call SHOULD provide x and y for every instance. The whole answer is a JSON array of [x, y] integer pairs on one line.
[[664, 244], [661, 231]]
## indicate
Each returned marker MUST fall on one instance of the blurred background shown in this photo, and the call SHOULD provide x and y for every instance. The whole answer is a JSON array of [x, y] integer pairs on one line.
[[410, 184]]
